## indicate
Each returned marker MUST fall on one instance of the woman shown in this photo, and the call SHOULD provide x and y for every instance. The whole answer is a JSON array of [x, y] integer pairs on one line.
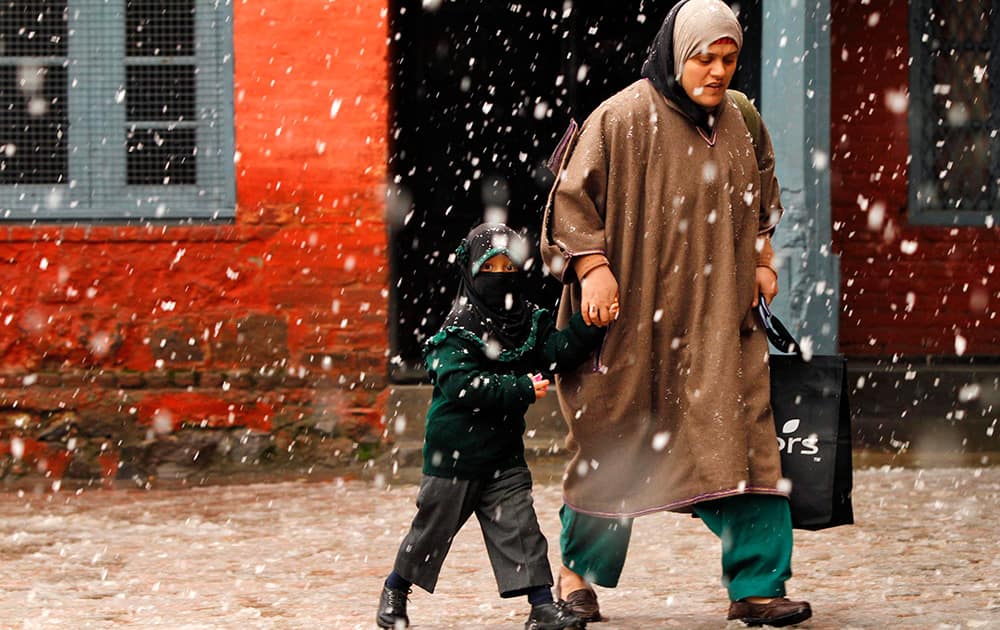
[[664, 208]]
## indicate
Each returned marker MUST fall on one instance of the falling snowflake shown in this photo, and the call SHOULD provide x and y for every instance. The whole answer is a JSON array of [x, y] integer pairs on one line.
[[660, 440]]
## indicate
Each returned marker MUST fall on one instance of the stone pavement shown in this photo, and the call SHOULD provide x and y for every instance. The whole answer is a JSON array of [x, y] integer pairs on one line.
[[313, 555]]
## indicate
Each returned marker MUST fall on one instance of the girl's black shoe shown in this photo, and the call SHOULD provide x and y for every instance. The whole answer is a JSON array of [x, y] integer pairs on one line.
[[551, 616], [392, 609]]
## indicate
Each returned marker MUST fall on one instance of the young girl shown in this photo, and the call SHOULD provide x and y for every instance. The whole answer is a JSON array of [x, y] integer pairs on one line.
[[487, 364]]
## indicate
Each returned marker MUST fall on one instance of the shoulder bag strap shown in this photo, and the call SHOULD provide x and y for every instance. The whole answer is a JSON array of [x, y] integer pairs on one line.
[[750, 116]]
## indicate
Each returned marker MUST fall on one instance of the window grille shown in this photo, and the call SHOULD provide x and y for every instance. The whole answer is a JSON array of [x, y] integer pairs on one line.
[[954, 112], [33, 148], [116, 110], [160, 92]]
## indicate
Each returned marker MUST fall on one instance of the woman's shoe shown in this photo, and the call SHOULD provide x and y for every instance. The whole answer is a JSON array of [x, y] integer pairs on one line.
[[778, 612], [581, 602]]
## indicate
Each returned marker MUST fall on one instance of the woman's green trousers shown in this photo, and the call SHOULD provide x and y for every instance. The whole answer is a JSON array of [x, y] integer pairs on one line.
[[755, 530]]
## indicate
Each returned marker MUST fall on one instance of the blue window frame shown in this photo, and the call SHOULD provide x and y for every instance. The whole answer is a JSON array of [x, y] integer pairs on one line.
[[954, 113], [116, 109]]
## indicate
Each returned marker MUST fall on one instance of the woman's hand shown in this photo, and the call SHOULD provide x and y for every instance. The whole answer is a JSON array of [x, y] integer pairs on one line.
[[541, 385], [599, 296], [767, 283]]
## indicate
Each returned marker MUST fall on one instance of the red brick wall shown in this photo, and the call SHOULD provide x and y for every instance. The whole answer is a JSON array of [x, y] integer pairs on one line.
[[281, 314], [311, 124], [896, 300]]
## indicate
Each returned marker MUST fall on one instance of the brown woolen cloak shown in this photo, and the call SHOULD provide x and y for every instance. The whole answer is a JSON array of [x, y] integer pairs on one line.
[[675, 408]]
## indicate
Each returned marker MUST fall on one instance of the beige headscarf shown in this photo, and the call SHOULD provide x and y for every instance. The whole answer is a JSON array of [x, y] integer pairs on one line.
[[698, 24]]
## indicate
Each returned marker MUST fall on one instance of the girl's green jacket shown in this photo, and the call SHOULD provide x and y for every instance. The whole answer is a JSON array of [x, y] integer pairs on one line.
[[475, 423]]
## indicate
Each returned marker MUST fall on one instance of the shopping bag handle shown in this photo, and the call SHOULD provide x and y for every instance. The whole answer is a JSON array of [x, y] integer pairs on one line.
[[777, 334]]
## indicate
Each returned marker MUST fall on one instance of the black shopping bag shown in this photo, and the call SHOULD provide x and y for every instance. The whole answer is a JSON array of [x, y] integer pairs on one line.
[[813, 420]]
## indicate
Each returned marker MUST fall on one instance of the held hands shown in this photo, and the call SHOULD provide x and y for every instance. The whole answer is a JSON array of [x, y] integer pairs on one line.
[[541, 385], [599, 297], [767, 283]]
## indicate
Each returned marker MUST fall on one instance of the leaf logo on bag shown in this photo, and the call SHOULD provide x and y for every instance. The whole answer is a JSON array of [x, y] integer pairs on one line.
[[807, 446]]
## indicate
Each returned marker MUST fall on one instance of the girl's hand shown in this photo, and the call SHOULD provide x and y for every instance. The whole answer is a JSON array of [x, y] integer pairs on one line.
[[541, 385], [767, 283]]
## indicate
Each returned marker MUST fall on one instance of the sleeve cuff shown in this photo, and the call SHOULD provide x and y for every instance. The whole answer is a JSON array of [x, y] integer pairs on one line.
[[771, 224], [585, 332], [526, 390], [765, 251], [587, 263]]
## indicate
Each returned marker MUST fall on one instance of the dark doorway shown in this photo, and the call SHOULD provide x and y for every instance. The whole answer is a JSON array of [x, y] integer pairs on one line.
[[481, 91]]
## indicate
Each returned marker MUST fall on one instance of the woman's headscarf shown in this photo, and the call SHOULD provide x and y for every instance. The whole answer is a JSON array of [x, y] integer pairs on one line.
[[691, 26], [491, 306]]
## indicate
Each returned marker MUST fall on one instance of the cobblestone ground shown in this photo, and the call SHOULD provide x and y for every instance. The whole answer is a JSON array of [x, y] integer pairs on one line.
[[313, 555]]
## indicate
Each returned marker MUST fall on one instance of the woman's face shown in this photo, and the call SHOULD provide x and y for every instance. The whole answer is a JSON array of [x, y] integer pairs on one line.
[[706, 76]]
